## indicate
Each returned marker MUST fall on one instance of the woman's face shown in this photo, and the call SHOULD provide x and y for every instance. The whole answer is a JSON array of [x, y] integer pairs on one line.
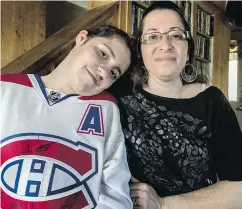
[[165, 58], [97, 63]]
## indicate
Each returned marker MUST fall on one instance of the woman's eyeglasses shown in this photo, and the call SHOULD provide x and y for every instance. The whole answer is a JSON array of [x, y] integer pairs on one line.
[[172, 35]]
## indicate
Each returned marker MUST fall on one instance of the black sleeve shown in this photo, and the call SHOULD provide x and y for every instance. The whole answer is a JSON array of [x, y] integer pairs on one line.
[[226, 140]]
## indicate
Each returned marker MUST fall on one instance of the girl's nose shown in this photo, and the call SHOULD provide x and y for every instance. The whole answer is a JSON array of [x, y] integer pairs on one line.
[[103, 72]]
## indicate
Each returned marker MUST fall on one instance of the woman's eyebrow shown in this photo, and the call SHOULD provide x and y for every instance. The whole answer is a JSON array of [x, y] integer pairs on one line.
[[172, 28], [154, 29]]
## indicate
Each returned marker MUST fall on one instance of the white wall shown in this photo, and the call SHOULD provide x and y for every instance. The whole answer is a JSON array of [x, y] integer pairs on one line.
[[237, 35], [83, 4]]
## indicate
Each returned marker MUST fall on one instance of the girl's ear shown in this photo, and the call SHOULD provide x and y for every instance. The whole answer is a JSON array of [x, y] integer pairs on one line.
[[81, 38]]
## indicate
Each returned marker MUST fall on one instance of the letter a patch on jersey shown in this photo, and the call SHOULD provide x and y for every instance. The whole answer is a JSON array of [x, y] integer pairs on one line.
[[92, 121]]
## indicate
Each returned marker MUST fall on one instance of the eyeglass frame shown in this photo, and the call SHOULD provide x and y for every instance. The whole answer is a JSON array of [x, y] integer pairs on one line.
[[186, 33]]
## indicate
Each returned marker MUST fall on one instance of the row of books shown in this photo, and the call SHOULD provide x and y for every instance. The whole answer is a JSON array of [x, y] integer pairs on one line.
[[204, 68], [202, 48], [203, 43], [137, 13], [147, 2], [204, 22], [186, 8]]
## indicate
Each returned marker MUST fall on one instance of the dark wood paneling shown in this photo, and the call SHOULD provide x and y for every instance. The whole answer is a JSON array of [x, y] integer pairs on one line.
[[59, 14]]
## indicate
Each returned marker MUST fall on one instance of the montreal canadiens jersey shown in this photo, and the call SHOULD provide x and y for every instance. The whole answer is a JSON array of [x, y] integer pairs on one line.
[[68, 154]]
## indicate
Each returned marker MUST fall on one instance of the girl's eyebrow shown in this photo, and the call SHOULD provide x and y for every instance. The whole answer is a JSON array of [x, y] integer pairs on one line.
[[119, 71], [111, 51]]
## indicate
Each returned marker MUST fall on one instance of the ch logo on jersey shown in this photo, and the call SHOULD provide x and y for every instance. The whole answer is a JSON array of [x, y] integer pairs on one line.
[[92, 121], [47, 169]]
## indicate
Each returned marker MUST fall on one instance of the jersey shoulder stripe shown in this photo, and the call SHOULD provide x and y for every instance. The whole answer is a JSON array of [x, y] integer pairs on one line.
[[102, 96], [21, 79]]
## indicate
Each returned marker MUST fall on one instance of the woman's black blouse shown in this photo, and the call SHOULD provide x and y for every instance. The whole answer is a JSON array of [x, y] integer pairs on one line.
[[181, 145]]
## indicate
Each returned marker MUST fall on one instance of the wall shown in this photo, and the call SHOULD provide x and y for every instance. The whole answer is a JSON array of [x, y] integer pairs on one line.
[[237, 35], [83, 4], [22, 28]]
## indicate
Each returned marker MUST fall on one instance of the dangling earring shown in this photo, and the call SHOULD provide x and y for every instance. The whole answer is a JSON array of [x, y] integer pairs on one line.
[[191, 76], [144, 78]]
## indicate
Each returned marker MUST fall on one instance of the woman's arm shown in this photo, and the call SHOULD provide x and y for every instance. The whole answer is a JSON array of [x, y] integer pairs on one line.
[[222, 195]]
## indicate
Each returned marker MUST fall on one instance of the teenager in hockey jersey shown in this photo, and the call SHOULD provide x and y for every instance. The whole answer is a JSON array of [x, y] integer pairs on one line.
[[62, 146]]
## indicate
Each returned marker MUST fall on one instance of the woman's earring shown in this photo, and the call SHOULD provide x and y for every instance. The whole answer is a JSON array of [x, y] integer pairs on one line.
[[189, 73]]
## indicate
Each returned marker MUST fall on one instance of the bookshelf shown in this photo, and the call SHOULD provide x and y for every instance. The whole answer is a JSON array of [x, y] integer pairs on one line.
[[209, 27], [203, 42]]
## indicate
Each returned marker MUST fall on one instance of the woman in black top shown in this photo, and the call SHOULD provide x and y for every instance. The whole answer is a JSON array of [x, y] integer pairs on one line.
[[183, 140]]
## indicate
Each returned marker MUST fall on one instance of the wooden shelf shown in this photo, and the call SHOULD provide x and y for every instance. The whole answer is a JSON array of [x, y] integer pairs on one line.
[[202, 59], [203, 34], [141, 4]]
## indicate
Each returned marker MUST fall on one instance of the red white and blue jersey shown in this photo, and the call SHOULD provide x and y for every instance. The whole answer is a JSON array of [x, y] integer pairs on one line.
[[68, 154]]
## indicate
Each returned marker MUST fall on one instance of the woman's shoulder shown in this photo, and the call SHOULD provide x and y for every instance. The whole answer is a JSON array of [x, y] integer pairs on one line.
[[201, 89]]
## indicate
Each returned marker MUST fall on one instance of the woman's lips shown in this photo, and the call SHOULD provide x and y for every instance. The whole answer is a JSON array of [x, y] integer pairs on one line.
[[170, 59]]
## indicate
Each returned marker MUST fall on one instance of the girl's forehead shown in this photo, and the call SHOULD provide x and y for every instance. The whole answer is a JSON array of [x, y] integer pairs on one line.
[[97, 39], [111, 41]]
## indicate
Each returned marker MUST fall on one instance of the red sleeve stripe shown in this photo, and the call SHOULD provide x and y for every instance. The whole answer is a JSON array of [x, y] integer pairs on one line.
[[103, 96], [21, 79]]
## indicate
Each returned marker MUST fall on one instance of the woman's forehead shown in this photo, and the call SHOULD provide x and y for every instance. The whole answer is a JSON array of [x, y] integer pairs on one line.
[[162, 18]]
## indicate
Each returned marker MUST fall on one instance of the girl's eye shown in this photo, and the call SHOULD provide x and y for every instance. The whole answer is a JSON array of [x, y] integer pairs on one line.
[[103, 54], [113, 75]]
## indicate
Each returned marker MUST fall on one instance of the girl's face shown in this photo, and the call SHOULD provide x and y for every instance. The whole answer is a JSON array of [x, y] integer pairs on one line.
[[97, 63], [164, 59]]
